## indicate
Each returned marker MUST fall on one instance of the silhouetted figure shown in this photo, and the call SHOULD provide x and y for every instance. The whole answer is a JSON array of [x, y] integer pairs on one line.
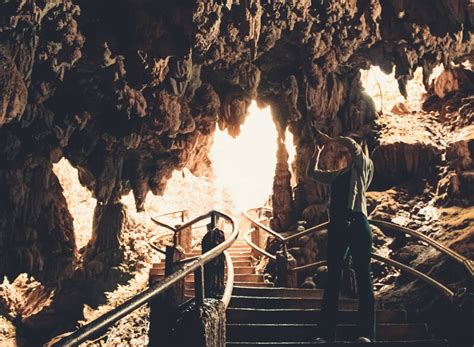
[[348, 231]]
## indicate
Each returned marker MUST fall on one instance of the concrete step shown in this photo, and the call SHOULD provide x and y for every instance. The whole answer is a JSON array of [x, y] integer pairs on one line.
[[242, 263], [241, 270], [304, 316], [240, 257], [245, 246], [252, 284], [236, 258], [244, 270], [238, 263], [288, 302], [240, 252], [417, 343], [306, 332], [241, 247], [190, 285], [240, 242], [245, 262], [248, 278], [278, 292], [237, 278]]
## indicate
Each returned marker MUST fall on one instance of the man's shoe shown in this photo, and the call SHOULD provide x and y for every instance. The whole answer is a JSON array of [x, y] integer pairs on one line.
[[320, 340], [364, 339]]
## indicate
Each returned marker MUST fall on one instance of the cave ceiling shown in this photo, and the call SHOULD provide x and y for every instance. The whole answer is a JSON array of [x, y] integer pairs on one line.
[[129, 91]]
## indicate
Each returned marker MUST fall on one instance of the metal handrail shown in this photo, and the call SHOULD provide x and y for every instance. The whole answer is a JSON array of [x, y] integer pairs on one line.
[[311, 266], [183, 212], [437, 285], [465, 262], [164, 225], [307, 231], [229, 286], [254, 246], [109, 318], [260, 225]]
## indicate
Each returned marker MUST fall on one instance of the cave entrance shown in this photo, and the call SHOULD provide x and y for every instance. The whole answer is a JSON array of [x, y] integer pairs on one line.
[[244, 167], [383, 89]]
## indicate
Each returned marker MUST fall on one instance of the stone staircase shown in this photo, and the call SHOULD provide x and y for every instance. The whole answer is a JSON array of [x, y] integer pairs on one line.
[[262, 315], [244, 271]]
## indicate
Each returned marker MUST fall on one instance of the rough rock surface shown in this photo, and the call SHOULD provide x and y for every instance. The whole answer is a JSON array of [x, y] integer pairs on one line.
[[129, 98]]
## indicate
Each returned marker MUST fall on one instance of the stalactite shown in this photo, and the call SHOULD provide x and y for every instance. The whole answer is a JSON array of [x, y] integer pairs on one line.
[[129, 98]]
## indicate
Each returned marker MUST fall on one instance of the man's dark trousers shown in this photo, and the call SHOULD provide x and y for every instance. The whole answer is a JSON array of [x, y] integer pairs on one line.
[[349, 233]]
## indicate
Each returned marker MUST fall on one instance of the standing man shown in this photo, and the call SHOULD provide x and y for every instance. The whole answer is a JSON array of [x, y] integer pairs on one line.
[[348, 230]]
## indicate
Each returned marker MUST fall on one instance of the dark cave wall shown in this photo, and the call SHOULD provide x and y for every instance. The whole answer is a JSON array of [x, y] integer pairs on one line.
[[37, 234], [39, 42], [129, 91]]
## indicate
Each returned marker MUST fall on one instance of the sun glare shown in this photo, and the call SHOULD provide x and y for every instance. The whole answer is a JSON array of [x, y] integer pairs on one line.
[[383, 88], [244, 167]]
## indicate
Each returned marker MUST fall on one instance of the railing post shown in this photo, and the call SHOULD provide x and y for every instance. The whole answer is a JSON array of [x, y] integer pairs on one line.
[[184, 216], [199, 285], [202, 325], [213, 223], [184, 238], [257, 239], [214, 270], [163, 309], [285, 262]]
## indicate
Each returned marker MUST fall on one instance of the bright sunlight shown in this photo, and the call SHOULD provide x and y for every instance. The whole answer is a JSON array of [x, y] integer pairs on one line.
[[244, 167], [383, 88]]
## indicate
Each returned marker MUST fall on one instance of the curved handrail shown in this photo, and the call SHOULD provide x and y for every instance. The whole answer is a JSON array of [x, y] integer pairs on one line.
[[307, 231], [164, 225], [437, 285], [254, 246], [465, 262], [260, 225], [184, 213], [311, 266], [229, 286], [109, 318]]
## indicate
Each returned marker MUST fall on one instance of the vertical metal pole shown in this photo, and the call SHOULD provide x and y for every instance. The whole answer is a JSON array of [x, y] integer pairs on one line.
[[213, 220], [199, 285]]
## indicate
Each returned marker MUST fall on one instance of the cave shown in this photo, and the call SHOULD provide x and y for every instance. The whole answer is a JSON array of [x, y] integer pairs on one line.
[[112, 112]]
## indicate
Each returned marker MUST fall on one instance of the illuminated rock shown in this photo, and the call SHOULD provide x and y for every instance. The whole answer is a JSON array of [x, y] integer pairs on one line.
[[130, 97]]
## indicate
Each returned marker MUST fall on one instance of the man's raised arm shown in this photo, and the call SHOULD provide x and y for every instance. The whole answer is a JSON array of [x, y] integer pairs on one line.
[[322, 176]]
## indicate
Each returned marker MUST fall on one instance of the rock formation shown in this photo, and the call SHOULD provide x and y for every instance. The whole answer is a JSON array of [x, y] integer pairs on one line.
[[129, 91]]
